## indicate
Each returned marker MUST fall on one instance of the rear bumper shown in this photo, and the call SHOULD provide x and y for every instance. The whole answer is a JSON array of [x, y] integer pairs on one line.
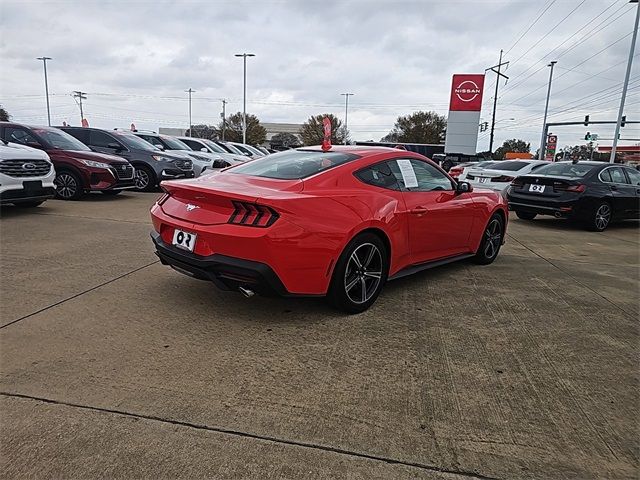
[[227, 273]]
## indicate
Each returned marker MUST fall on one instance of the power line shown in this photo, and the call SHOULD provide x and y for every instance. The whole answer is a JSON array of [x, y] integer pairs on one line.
[[530, 26]]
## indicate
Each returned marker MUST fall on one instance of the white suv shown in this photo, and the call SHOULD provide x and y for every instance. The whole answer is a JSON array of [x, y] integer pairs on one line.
[[26, 175]]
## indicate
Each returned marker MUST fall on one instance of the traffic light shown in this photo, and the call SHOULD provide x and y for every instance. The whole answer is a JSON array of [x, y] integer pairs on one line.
[[586, 120], [624, 119], [587, 136]]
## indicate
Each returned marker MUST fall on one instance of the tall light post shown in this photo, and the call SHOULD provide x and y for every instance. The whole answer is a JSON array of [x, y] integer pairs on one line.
[[244, 96], [46, 86], [543, 140], [190, 91], [612, 158], [346, 114]]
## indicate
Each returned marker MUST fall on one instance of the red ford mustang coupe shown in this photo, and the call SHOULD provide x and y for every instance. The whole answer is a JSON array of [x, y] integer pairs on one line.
[[336, 223]]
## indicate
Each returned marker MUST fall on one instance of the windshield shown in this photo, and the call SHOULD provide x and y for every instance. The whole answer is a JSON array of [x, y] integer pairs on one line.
[[174, 143], [233, 149], [293, 164], [131, 141], [567, 169], [213, 146], [55, 138]]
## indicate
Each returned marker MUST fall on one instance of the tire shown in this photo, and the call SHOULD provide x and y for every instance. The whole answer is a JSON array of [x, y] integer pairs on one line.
[[110, 193], [491, 241], [354, 288], [525, 215], [68, 185], [29, 204], [600, 217], [145, 179]]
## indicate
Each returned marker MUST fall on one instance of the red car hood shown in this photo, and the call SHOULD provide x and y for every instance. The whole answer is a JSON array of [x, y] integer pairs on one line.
[[83, 155]]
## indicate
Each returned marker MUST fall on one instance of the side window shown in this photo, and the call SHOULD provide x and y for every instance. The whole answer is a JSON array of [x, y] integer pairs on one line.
[[19, 135], [634, 175], [605, 175], [101, 139], [193, 144], [418, 176], [538, 166], [379, 175], [81, 134], [617, 175]]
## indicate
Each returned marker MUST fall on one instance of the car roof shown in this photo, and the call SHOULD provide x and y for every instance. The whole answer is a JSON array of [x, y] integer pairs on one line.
[[361, 150]]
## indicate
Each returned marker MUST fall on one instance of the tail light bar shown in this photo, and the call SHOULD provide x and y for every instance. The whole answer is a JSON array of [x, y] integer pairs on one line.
[[517, 182], [162, 198], [563, 187], [502, 178], [252, 215]]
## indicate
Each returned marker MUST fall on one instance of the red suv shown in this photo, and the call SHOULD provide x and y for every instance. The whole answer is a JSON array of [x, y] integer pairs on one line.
[[78, 169]]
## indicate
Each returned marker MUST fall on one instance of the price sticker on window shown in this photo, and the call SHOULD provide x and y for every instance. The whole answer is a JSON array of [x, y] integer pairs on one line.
[[408, 174]]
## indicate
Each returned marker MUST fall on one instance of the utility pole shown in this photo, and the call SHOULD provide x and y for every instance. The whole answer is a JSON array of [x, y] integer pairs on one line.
[[626, 84], [244, 96], [224, 117], [46, 86], [543, 140], [80, 96], [346, 114], [495, 96], [190, 91]]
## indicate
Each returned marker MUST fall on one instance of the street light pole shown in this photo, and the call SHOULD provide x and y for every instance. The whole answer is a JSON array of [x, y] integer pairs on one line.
[[543, 140], [190, 91], [626, 84], [346, 114], [244, 96], [46, 86], [224, 117]]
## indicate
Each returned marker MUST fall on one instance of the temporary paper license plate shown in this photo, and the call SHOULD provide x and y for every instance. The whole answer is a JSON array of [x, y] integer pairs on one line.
[[536, 188], [184, 240]]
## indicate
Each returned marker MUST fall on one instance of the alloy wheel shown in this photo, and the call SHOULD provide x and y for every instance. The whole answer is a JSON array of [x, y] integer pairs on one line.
[[363, 273], [603, 215], [67, 186], [493, 238], [141, 179]]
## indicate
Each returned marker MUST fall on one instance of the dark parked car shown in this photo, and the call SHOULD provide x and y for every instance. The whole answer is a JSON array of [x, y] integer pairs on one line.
[[78, 169], [595, 193], [152, 165]]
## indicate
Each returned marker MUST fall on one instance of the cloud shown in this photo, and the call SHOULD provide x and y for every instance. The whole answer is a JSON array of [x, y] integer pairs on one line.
[[136, 59]]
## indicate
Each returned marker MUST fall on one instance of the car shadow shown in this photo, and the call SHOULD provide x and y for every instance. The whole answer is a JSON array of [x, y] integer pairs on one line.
[[564, 224]]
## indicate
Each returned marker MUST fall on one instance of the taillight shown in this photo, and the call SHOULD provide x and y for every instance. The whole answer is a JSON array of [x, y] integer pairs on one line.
[[563, 187], [252, 215], [517, 182], [502, 178], [162, 198]]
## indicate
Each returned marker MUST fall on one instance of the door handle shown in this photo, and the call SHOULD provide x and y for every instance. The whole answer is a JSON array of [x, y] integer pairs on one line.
[[419, 210], [613, 187]]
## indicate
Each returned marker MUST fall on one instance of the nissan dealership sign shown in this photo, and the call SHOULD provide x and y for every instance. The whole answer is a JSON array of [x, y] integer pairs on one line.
[[465, 104]]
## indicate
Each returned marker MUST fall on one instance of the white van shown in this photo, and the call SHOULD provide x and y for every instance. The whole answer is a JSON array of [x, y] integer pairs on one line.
[[26, 175]]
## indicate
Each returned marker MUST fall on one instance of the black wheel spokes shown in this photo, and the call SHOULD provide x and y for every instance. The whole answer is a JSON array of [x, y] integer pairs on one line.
[[363, 273], [602, 216], [493, 235]]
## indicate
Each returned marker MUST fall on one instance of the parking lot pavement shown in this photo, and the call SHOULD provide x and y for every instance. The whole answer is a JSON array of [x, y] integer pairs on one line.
[[113, 365]]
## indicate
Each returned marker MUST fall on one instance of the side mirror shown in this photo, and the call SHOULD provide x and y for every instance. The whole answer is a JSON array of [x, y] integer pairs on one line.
[[114, 146], [204, 150], [161, 147], [464, 187]]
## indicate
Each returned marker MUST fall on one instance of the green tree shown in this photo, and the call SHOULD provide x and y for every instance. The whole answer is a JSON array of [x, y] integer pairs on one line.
[[285, 139], [4, 115], [513, 145], [419, 127], [204, 131], [256, 133], [312, 131]]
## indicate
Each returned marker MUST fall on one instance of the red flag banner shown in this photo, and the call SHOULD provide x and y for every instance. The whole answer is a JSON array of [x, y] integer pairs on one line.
[[85, 122], [326, 143]]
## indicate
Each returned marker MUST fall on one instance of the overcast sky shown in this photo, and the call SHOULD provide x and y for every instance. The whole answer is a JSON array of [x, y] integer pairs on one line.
[[135, 60]]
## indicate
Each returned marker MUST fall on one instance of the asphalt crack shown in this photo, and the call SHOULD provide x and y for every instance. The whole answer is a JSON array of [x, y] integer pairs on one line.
[[254, 436]]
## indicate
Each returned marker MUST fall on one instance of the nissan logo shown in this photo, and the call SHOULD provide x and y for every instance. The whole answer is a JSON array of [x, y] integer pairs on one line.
[[29, 166], [467, 91]]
